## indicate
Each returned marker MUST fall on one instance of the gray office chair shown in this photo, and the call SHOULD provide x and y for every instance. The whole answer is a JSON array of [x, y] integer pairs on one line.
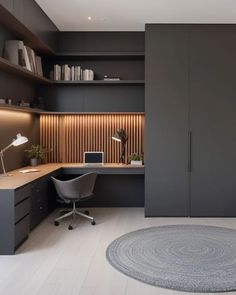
[[74, 191]]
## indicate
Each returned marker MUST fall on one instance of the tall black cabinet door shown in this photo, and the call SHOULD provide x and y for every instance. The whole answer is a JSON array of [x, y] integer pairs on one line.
[[213, 120], [166, 120]]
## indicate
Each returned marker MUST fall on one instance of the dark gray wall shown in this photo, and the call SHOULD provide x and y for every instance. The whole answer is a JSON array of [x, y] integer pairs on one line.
[[29, 13], [34, 18], [103, 98], [11, 123], [101, 41], [11, 86]]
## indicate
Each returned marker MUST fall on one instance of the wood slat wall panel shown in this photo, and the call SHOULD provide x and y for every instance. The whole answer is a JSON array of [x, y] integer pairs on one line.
[[66, 137]]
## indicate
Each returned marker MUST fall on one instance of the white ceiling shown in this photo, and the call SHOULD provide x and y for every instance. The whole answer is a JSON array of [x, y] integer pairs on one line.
[[131, 15]]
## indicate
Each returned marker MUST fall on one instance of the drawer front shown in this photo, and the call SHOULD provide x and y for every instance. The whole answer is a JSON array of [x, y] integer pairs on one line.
[[22, 209], [39, 202], [22, 193], [37, 215], [21, 230]]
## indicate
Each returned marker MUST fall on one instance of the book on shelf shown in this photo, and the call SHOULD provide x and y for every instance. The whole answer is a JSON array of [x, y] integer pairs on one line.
[[67, 74], [27, 60], [70, 73], [57, 73], [39, 65], [14, 52], [17, 53]]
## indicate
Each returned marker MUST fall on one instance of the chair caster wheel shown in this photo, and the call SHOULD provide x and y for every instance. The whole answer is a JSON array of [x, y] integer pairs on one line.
[[86, 212], [93, 222], [56, 223], [70, 227]]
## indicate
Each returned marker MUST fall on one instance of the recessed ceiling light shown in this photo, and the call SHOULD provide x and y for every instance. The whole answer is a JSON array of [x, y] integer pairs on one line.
[[89, 18]]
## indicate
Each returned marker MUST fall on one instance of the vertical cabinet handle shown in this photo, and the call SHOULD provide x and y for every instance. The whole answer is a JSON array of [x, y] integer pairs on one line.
[[190, 151]]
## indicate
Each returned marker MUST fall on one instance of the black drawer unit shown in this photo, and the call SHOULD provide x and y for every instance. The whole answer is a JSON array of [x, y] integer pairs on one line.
[[43, 199], [14, 218], [22, 209], [39, 201]]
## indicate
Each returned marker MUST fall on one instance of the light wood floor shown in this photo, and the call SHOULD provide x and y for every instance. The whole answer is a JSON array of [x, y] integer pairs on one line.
[[55, 261]]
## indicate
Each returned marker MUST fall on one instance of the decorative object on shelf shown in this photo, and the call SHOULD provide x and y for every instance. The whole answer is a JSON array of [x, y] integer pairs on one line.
[[18, 141], [107, 78], [2, 100], [22, 103], [88, 75], [136, 159], [35, 153], [121, 137]]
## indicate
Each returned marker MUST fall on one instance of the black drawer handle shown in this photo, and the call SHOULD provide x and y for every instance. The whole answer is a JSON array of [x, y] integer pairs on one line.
[[190, 151]]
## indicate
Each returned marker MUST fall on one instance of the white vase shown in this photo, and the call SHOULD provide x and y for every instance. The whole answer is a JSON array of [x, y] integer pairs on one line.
[[34, 162], [136, 163]]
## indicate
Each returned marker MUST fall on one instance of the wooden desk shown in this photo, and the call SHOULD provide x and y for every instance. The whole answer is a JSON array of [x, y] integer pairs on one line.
[[26, 199], [17, 179]]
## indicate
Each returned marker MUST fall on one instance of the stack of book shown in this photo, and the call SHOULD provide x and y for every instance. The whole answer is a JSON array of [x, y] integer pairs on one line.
[[70, 73], [17, 53]]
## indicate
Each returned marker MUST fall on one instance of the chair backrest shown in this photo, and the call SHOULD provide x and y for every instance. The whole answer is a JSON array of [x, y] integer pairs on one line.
[[76, 188]]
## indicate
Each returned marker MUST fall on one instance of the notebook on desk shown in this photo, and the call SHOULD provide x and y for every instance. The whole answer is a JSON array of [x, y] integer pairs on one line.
[[30, 170], [93, 158]]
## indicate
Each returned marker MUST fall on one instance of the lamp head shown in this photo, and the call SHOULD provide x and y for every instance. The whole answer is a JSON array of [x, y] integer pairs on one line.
[[19, 140], [120, 136]]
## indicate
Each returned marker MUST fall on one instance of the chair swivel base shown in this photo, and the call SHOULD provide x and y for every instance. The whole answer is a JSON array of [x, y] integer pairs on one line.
[[73, 213]]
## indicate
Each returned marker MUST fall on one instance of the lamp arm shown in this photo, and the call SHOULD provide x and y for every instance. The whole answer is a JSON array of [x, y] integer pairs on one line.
[[6, 148], [1, 156], [2, 162], [122, 157]]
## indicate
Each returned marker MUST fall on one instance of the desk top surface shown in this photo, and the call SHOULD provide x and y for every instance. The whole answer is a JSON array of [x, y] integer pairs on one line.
[[17, 179]]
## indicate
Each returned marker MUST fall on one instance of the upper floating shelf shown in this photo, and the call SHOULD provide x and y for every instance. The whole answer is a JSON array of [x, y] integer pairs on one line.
[[128, 55], [101, 82], [10, 107], [21, 72]]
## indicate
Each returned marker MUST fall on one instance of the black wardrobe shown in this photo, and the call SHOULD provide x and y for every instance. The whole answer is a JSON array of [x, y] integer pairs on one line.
[[190, 121]]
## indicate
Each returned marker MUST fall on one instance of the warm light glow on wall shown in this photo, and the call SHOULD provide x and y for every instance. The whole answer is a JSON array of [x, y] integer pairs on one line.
[[66, 137], [10, 116]]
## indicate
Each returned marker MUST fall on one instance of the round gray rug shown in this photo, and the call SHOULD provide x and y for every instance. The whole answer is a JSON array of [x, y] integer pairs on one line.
[[192, 258]]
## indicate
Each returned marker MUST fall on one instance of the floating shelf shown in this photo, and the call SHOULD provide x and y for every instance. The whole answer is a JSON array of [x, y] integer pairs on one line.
[[11, 107], [130, 55], [101, 82], [90, 113], [21, 72], [22, 32]]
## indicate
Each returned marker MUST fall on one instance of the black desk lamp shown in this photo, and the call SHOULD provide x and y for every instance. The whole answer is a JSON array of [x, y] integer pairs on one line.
[[121, 137]]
